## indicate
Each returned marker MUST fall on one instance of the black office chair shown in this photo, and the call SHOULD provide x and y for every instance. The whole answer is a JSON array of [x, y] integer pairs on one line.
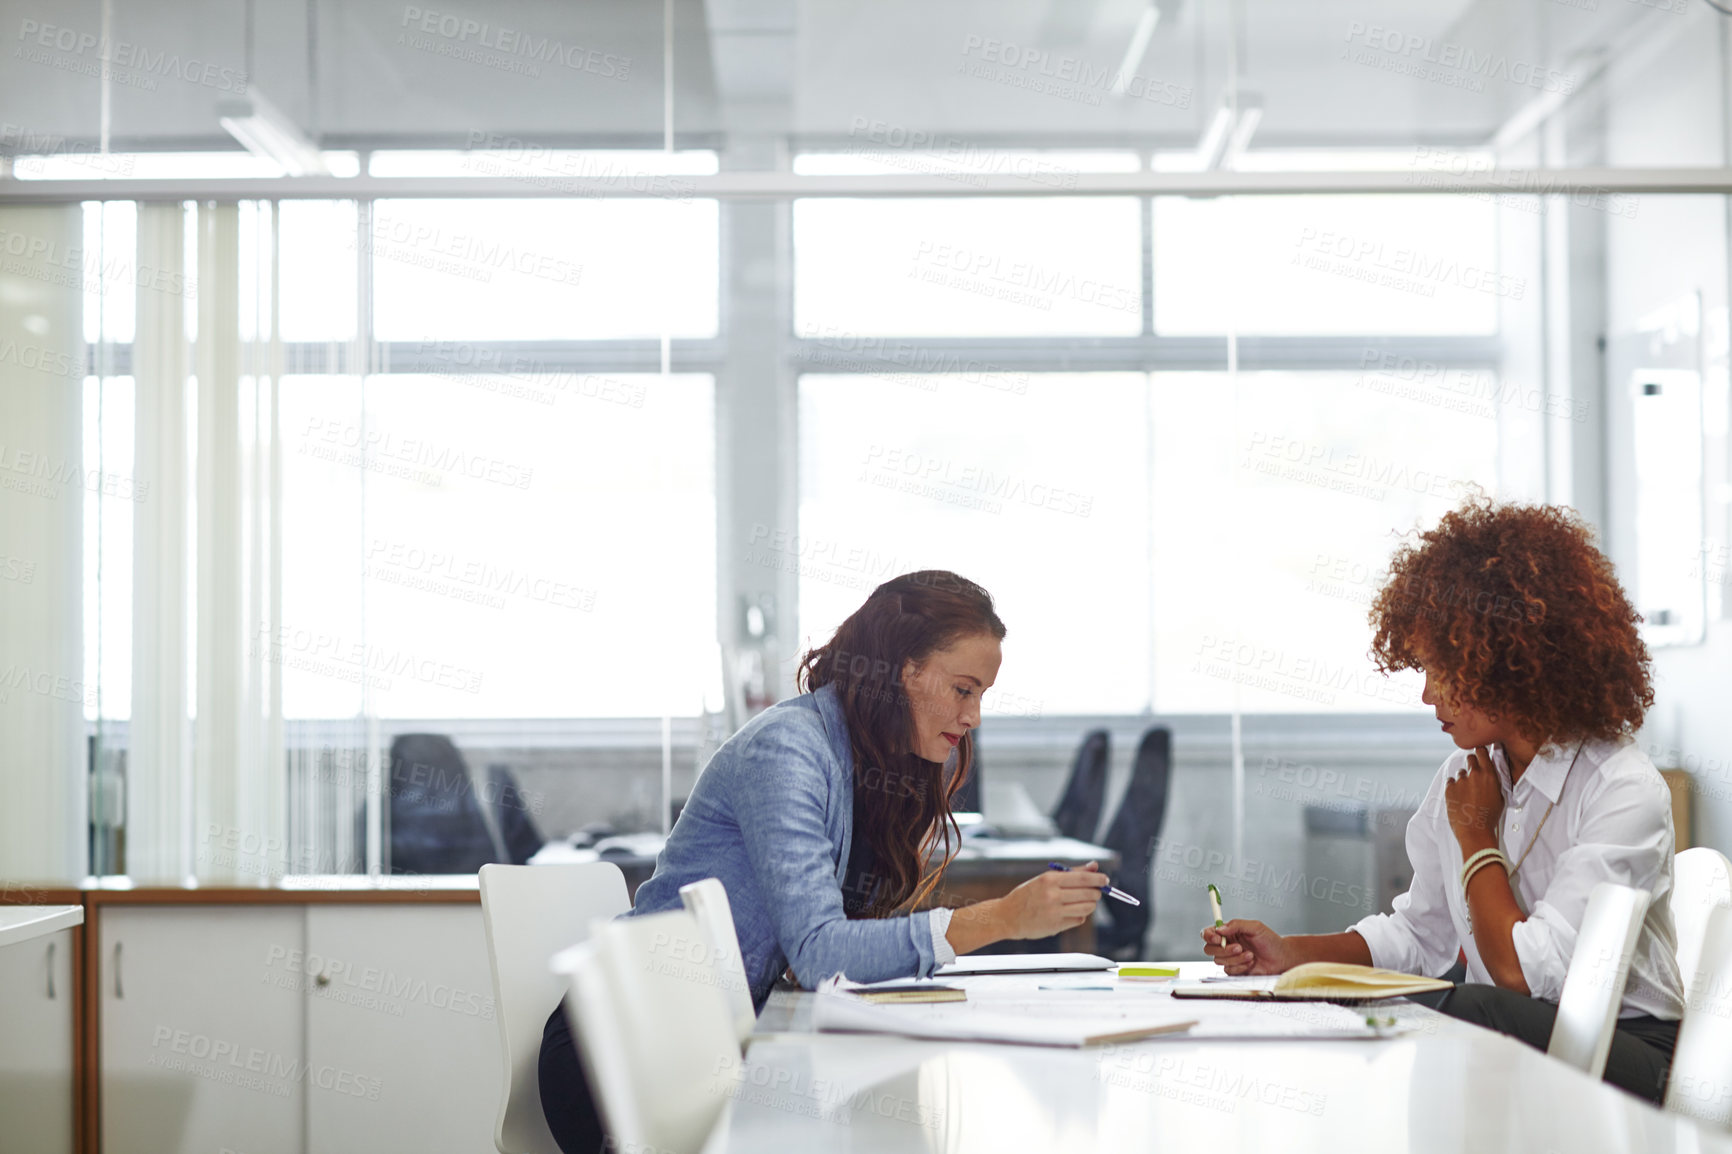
[[967, 799], [436, 826], [1078, 813], [518, 835], [1132, 834]]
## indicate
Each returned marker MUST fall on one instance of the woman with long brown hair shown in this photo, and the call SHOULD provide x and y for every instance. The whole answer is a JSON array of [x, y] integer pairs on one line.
[[827, 817]]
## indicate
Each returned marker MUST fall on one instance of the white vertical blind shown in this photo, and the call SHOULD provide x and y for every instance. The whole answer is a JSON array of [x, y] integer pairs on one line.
[[42, 487], [238, 767], [159, 847]]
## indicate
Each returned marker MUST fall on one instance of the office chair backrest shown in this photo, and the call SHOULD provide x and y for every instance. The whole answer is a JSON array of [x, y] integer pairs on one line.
[[512, 811], [1594, 985], [1701, 881], [1700, 1084], [653, 1031], [531, 913], [968, 797], [707, 901], [436, 825], [1132, 835], [1078, 812]]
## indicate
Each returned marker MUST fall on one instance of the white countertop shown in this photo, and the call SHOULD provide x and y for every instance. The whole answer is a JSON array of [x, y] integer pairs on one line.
[[21, 923]]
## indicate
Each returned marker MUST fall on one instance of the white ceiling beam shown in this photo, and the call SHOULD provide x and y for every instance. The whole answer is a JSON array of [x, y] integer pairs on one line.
[[787, 185]]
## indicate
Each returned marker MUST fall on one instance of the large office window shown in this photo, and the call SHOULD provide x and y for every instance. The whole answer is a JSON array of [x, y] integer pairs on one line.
[[522, 528], [1192, 543], [544, 269], [1001, 268], [1277, 498], [947, 472], [1188, 541], [496, 546], [1329, 265]]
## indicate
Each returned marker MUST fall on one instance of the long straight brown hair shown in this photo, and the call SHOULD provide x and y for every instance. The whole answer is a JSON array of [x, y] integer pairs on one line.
[[901, 800]]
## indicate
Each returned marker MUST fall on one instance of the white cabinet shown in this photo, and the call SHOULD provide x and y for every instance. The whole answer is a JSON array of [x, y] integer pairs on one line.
[[281, 1029], [36, 992], [201, 1049], [400, 1017]]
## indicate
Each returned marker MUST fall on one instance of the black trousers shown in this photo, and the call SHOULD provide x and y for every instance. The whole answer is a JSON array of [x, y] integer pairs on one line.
[[1641, 1053], [566, 1100]]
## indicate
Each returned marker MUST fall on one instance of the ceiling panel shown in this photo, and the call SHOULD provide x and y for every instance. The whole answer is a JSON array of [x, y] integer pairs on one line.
[[377, 73]]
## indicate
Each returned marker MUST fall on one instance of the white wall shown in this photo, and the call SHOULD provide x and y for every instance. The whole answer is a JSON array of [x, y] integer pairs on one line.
[[1666, 104]]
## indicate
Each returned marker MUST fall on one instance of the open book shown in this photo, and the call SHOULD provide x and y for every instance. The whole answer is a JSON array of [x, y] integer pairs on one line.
[[1316, 982]]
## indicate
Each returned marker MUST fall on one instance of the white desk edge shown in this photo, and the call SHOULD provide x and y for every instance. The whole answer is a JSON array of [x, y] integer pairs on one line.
[[22, 923]]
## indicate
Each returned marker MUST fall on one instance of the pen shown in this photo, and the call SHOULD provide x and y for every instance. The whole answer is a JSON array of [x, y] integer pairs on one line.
[[1215, 905], [1110, 891]]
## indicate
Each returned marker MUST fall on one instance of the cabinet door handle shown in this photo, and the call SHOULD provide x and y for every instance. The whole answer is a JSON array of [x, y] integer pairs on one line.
[[51, 946], [118, 992]]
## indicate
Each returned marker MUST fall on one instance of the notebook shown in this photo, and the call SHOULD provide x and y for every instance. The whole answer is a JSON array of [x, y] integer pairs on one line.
[[911, 993], [974, 964], [1316, 982]]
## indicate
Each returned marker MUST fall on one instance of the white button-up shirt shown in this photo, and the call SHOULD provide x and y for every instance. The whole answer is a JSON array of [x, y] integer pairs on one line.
[[1612, 823]]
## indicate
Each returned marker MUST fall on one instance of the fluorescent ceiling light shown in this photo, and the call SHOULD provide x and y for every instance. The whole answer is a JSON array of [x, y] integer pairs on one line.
[[1581, 69], [1214, 138], [1528, 117], [1140, 37], [265, 132], [1250, 115]]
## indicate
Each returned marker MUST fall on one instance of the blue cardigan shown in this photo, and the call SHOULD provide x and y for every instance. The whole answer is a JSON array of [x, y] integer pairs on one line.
[[772, 816]]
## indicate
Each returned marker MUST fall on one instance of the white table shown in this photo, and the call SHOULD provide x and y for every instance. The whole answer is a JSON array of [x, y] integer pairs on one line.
[[22, 923], [1448, 1088]]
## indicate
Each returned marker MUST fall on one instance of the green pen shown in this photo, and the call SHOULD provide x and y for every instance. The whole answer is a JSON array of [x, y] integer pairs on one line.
[[1215, 904]]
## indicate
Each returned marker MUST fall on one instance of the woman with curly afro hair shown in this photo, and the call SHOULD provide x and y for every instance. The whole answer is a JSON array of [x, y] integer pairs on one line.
[[1535, 669]]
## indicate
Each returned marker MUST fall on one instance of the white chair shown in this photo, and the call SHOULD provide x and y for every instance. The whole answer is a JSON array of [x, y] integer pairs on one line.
[[1700, 1085], [531, 913], [1701, 880], [708, 902], [1594, 985], [653, 1030]]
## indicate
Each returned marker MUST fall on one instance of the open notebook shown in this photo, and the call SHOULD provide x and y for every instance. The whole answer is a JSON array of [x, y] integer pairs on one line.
[[1316, 982]]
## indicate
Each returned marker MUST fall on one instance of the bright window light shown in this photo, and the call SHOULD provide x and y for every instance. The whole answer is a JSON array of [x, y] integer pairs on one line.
[[968, 267]]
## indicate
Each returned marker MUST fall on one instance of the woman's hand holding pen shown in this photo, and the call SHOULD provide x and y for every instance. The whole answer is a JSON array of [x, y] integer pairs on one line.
[[1053, 902], [1244, 947], [1048, 903]]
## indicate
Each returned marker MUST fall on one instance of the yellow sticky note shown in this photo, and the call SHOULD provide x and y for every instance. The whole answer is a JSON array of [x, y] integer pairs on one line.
[[1148, 971]]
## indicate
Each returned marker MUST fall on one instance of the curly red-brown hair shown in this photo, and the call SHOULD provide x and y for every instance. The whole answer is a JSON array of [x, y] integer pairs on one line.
[[1514, 611]]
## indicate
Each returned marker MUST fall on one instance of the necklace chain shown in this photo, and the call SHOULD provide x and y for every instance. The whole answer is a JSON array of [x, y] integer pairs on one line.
[[1467, 913]]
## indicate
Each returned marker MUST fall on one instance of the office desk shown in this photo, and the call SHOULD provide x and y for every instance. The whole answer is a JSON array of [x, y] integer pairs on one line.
[[992, 867], [637, 867], [19, 924], [39, 1022], [1450, 1088]]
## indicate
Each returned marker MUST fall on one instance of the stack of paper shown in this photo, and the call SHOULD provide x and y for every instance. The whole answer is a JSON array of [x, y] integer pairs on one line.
[[996, 1023], [971, 964]]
